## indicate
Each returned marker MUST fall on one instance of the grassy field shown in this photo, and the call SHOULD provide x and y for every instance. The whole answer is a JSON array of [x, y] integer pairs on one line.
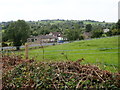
[[99, 51]]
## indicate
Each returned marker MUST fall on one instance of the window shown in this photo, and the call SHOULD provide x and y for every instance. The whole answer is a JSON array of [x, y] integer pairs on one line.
[[32, 40]]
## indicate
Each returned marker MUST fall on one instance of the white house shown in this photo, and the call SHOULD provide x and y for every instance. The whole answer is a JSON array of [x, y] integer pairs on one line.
[[106, 30], [57, 34]]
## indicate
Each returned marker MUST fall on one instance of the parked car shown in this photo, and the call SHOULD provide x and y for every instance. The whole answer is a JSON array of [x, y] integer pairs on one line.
[[60, 41]]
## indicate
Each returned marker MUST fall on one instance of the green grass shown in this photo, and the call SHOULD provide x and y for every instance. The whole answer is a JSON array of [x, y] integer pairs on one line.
[[88, 22], [98, 51]]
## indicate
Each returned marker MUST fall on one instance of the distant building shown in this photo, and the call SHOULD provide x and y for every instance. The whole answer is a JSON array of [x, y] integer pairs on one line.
[[51, 37], [106, 30], [87, 35], [42, 39], [57, 34]]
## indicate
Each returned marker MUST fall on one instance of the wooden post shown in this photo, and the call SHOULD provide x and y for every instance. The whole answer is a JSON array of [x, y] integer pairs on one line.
[[26, 51]]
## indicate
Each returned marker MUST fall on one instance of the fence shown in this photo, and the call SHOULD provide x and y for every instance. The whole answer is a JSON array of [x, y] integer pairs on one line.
[[63, 51], [102, 49], [73, 54]]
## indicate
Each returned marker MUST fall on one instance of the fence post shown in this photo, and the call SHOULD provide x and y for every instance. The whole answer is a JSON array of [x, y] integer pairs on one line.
[[26, 51]]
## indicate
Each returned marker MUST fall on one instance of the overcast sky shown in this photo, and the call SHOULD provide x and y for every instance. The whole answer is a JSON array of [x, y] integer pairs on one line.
[[99, 10]]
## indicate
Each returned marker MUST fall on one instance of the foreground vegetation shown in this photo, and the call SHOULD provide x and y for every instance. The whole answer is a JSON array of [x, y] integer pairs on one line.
[[29, 74]]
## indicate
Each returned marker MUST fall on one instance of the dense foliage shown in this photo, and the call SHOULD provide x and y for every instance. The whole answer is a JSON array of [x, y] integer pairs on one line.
[[38, 75], [88, 27], [70, 29], [17, 32]]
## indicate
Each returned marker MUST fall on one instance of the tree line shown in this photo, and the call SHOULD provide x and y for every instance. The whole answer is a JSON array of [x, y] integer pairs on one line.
[[18, 31]]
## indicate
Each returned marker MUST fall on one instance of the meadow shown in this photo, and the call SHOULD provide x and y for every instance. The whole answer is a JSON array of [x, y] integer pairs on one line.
[[103, 52]]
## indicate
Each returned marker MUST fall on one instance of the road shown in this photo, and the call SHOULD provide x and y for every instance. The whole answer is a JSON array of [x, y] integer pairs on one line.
[[48, 44], [32, 45]]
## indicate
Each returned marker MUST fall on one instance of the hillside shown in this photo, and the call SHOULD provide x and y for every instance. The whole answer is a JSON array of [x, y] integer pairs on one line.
[[65, 27], [101, 51], [58, 21]]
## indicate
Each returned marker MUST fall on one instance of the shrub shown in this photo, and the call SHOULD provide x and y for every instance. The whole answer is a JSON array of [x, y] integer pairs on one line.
[[38, 75], [4, 44]]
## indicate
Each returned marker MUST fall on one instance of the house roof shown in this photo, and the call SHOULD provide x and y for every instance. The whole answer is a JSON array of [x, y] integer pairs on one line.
[[44, 37], [56, 34], [87, 33]]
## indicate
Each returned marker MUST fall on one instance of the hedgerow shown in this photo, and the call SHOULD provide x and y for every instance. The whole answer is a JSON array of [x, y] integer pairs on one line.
[[29, 74]]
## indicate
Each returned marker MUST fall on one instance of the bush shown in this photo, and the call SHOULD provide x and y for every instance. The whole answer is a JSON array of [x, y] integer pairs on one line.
[[38, 75], [104, 35], [4, 44], [97, 33]]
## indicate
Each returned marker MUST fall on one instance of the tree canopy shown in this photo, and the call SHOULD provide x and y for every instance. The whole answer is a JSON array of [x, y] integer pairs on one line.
[[118, 24], [88, 27], [18, 32]]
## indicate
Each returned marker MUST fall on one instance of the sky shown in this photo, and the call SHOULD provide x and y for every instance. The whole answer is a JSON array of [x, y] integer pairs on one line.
[[99, 10]]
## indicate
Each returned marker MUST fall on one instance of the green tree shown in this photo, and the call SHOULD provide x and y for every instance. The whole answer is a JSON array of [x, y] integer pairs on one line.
[[118, 27], [18, 32], [88, 27], [118, 24], [109, 33], [97, 27], [4, 37], [115, 31], [73, 34], [97, 33], [44, 31]]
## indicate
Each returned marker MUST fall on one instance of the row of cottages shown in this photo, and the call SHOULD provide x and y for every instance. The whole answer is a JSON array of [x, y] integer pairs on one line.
[[51, 37]]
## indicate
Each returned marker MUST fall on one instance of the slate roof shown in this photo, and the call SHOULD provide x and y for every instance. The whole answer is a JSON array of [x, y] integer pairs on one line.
[[58, 34], [44, 37]]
